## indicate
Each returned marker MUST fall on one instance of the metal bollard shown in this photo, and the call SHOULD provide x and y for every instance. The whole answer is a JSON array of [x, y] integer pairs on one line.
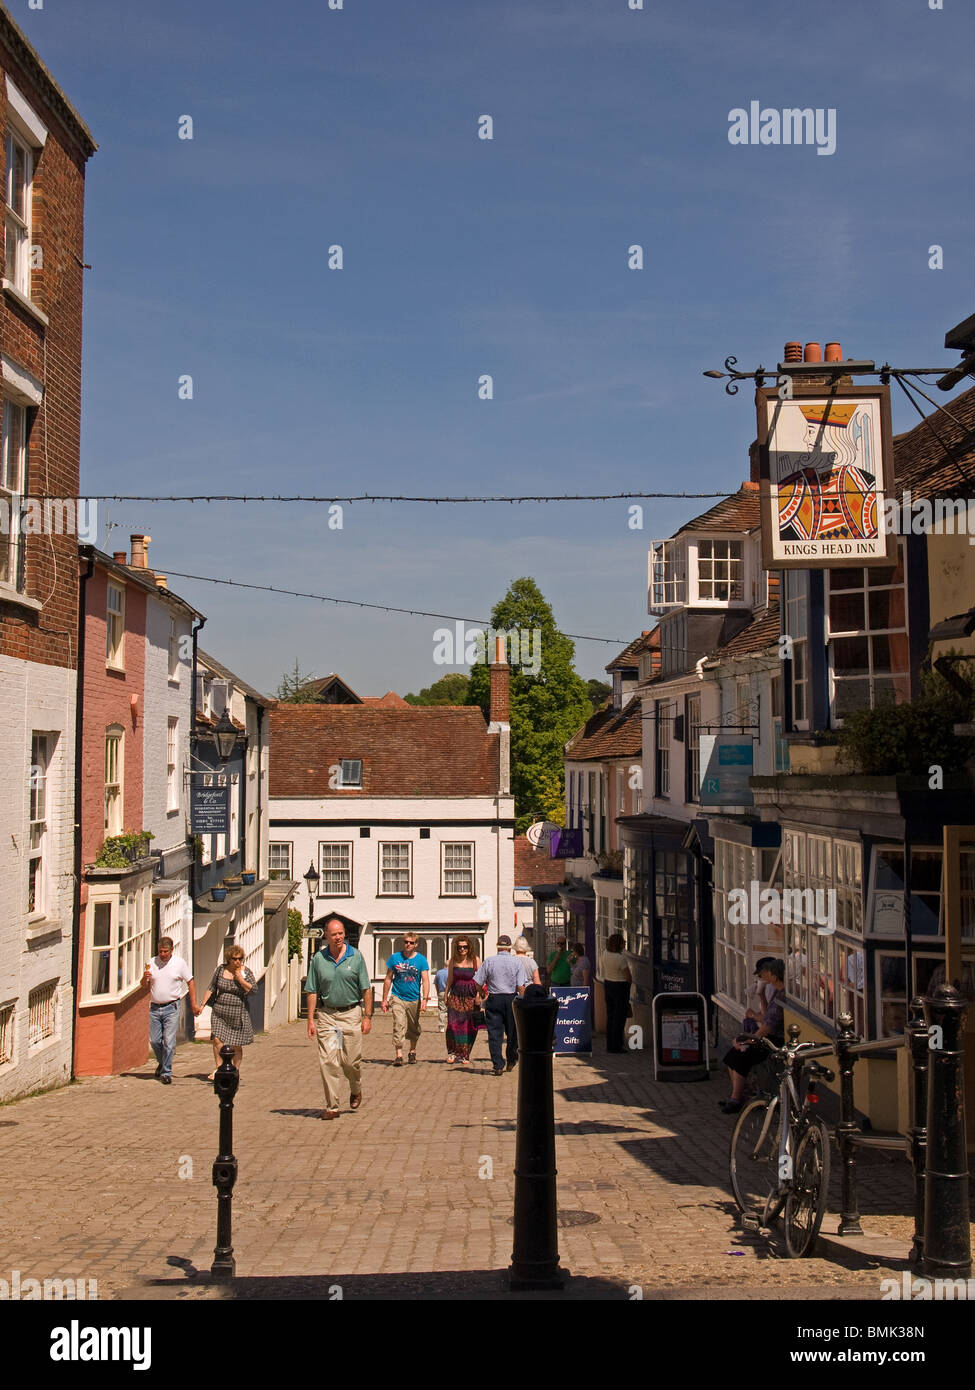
[[847, 1127], [535, 1256], [225, 1085], [917, 1135], [947, 1241]]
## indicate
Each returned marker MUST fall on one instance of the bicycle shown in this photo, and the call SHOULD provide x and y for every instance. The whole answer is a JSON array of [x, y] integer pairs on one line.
[[780, 1152]]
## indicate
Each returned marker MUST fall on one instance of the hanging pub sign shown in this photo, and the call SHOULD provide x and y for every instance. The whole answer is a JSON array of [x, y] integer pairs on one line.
[[209, 805], [826, 470], [566, 843]]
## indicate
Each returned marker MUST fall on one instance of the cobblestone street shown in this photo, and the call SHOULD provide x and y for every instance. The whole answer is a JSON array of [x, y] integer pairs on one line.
[[389, 1201]]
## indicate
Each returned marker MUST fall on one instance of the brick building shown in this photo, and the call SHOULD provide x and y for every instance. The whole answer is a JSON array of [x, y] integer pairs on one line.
[[45, 149]]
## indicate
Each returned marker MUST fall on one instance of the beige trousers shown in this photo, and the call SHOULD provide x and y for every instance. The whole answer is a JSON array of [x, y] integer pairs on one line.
[[339, 1052], [406, 1022]]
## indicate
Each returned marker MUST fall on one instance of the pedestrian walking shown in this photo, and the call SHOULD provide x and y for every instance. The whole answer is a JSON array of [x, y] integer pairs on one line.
[[462, 997], [581, 973], [504, 976], [338, 999], [616, 978], [440, 984], [524, 955], [408, 976], [230, 1022], [165, 974]]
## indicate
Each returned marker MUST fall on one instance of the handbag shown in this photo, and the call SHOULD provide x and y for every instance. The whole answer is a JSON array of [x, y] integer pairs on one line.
[[477, 1016]]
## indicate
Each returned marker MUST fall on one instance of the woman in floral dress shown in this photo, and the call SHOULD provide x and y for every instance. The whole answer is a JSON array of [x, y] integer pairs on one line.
[[462, 997]]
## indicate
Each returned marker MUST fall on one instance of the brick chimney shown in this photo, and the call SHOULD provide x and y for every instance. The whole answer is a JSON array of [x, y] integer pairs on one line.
[[139, 556], [120, 557], [500, 678]]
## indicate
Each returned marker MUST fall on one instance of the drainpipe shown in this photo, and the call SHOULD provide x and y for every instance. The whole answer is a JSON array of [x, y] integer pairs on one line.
[[79, 710]]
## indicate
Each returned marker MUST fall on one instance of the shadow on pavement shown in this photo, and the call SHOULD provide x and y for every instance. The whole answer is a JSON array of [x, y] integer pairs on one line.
[[479, 1284]]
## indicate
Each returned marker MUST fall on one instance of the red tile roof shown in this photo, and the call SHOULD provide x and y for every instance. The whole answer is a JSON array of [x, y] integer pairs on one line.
[[920, 463], [535, 866], [629, 655], [388, 701], [739, 512], [433, 750], [609, 734], [760, 634]]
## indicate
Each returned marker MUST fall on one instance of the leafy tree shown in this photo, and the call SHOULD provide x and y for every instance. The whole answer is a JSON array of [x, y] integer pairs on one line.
[[293, 688], [913, 737], [296, 926], [451, 689], [599, 692], [547, 706]]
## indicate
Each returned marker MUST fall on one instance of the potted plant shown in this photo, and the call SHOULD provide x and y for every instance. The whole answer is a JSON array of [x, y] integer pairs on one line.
[[232, 883], [248, 877], [218, 893]]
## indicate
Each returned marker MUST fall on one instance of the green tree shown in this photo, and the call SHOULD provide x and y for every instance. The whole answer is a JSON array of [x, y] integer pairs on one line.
[[293, 688], [451, 689], [296, 926], [599, 692], [547, 705]]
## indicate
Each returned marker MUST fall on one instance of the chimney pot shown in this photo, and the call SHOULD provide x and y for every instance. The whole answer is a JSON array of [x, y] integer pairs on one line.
[[793, 352], [498, 708], [834, 353], [160, 581], [139, 544], [120, 557], [814, 353]]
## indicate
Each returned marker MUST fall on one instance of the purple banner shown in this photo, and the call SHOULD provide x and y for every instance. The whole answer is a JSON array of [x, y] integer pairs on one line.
[[567, 844]]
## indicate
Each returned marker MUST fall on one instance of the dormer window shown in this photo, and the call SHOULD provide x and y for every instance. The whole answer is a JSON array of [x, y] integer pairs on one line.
[[350, 772], [668, 575]]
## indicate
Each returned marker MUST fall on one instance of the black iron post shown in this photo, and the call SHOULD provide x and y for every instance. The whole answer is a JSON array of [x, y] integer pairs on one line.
[[847, 1127], [917, 1135], [947, 1241], [225, 1085], [535, 1255]]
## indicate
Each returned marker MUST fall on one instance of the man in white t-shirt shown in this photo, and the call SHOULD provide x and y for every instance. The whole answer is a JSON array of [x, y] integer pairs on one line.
[[166, 974]]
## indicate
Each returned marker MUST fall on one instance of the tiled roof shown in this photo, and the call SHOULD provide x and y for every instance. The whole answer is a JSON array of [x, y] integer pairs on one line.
[[920, 464], [535, 865], [226, 674], [609, 734], [629, 655], [432, 750], [739, 512], [760, 634], [388, 701]]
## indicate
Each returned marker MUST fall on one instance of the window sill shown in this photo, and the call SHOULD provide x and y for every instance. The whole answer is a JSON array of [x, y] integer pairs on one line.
[[102, 1001], [25, 302], [461, 896], [111, 666], [41, 927], [8, 594], [402, 896]]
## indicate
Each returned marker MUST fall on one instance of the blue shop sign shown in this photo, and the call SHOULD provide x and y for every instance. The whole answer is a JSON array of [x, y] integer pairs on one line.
[[573, 1023]]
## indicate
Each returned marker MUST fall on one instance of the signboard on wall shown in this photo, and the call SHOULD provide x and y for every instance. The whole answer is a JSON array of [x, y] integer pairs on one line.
[[727, 762], [566, 843], [209, 807], [825, 469]]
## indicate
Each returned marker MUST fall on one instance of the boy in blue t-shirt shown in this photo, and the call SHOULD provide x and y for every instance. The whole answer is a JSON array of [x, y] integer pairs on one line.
[[408, 976]]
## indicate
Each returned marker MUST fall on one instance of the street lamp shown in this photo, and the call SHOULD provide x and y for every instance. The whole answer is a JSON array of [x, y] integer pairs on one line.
[[225, 734], [311, 879]]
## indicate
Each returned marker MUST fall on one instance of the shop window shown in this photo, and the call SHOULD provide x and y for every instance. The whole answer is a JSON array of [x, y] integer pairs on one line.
[[867, 636]]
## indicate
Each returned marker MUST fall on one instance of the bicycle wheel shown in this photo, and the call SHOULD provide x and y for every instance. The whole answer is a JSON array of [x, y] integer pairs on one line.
[[806, 1203], [752, 1165]]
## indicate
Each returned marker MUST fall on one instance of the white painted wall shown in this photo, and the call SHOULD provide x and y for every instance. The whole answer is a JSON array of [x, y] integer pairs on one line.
[[491, 906], [42, 698], [163, 699]]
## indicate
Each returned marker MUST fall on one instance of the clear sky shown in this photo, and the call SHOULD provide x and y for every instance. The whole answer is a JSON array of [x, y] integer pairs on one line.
[[463, 256]]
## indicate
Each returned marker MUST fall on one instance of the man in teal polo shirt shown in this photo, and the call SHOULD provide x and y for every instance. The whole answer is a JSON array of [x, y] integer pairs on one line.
[[338, 995]]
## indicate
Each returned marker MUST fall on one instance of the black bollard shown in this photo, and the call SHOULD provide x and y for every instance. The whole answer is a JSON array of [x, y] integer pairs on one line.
[[225, 1085], [947, 1241], [917, 1135], [847, 1127], [535, 1255]]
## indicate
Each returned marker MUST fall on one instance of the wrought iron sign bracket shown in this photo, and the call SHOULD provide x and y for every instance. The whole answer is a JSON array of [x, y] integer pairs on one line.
[[819, 370]]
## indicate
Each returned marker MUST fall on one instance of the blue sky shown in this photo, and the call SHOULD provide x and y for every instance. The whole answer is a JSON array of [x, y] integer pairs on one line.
[[464, 256]]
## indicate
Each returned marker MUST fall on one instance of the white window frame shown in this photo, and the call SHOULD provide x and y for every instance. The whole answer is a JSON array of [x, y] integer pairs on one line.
[[446, 868], [40, 757], [13, 484], [114, 786], [332, 850], [17, 225], [725, 558], [276, 871], [662, 747], [666, 575], [129, 943], [174, 661], [350, 781], [234, 845], [384, 869], [172, 761], [115, 626], [692, 734], [796, 585], [867, 634]]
